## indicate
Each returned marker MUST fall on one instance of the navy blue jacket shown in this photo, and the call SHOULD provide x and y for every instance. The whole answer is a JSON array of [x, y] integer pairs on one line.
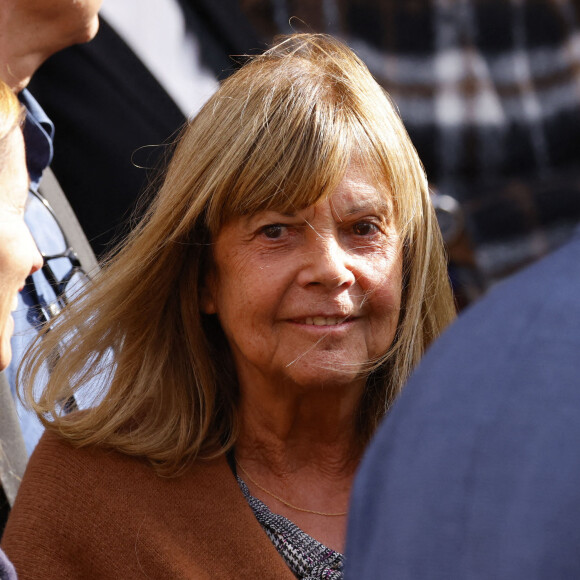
[[475, 473]]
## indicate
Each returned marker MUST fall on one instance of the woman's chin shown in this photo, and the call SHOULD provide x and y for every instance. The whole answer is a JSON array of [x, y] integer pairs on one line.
[[326, 376]]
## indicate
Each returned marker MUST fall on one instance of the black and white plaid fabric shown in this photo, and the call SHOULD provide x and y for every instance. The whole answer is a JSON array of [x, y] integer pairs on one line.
[[306, 557], [489, 91]]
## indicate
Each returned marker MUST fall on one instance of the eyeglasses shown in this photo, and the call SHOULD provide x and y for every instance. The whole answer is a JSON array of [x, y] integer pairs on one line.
[[61, 274]]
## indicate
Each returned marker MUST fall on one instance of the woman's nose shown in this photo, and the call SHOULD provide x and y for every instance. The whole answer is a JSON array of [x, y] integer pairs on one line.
[[326, 263], [37, 259]]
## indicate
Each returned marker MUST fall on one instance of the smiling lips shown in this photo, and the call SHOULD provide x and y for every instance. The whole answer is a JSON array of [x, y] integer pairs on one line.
[[324, 320]]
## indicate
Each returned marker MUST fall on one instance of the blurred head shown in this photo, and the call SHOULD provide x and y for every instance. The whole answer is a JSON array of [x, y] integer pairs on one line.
[[33, 30], [283, 134], [19, 256]]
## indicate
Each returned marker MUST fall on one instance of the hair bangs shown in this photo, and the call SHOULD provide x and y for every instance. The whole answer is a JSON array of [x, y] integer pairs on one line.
[[297, 155]]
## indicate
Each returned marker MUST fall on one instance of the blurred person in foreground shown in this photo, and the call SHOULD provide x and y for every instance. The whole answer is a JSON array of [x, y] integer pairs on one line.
[[30, 32], [19, 256], [474, 473], [264, 314]]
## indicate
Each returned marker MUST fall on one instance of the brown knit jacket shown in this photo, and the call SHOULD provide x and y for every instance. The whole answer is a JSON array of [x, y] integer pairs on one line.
[[91, 513]]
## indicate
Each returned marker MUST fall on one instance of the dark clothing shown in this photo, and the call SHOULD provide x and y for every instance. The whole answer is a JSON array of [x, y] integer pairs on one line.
[[109, 111], [114, 120], [305, 556], [474, 473], [38, 131]]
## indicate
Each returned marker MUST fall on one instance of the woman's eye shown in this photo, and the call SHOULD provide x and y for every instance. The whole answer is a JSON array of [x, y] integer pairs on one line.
[[273, 231], [364, 229]]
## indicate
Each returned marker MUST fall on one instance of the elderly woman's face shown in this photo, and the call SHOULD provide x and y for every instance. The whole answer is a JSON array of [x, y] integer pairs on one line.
[[18, 253], [309, 298]]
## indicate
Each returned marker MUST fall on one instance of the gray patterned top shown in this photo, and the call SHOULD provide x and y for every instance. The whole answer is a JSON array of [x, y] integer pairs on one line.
[[306, 557]]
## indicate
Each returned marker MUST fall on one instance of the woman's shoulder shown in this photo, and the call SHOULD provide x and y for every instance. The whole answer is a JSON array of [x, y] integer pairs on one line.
[[63, 487], [90, 511], [56, 457], [59, 468], [81, 507]]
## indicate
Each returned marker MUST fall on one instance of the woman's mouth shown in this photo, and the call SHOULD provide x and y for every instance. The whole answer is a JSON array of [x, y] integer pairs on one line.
[[323, 320]]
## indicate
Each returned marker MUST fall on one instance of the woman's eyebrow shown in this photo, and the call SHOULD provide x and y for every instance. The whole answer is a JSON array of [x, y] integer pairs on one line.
[[274, 213], [381, 206]]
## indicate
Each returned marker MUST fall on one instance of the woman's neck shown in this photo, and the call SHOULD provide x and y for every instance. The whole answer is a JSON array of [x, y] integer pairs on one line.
[[313, 430], [298, 455]]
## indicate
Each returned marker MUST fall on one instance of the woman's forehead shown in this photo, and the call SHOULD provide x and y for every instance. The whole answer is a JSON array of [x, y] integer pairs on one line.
[[361, 175], [355, 195]]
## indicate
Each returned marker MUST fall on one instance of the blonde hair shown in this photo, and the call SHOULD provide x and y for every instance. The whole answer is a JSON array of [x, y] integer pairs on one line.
[[278, 134], [11, 116]]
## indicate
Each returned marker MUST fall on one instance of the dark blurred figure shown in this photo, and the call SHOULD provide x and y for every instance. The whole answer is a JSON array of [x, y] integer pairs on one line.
[[113, 112], [488, 91], [474, 473], [19, 258]]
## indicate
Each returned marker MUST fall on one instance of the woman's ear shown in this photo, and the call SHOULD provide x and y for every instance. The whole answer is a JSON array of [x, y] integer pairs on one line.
[[207, 294]]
